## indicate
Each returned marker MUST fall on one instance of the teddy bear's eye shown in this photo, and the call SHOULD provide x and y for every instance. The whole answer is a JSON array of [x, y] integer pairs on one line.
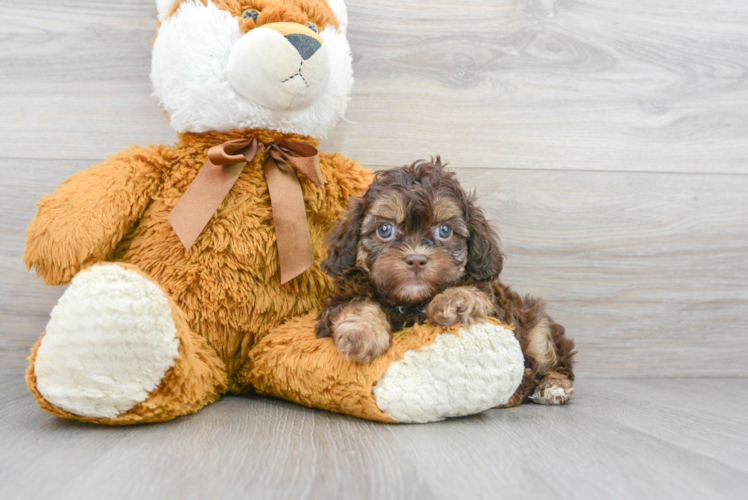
[[251, 14], [312, 27], [443, 232], [385, 231]]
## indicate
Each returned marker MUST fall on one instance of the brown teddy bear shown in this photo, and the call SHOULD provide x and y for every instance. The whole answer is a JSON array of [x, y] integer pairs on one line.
[[194, 268]]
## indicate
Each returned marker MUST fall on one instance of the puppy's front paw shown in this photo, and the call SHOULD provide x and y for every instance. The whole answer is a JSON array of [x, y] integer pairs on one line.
[[459, 305], [361, 331]]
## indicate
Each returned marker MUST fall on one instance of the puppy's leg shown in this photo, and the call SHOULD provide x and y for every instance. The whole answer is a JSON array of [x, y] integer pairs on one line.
[[361, 331], [459, 305], [551, 352]]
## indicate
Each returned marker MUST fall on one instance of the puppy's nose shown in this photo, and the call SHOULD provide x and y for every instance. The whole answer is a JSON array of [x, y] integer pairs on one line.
[[416, 262], [305, 45]]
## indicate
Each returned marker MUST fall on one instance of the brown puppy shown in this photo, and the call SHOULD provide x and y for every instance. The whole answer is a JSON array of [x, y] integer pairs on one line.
[[415, 248]]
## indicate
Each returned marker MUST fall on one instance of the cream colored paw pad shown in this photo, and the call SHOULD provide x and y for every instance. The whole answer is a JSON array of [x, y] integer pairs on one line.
[[552, 395], [109, 342], [457, 375]]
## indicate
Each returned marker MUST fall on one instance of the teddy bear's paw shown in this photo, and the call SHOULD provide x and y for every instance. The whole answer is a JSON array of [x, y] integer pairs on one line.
[[109, 342], [478, 368], [554, 389]]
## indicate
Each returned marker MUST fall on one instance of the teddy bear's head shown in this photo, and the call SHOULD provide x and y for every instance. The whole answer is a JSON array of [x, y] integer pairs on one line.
[[230, 64]]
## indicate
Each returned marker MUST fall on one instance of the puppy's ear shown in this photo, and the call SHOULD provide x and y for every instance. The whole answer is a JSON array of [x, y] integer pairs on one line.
[[485, 260], [343, 240]]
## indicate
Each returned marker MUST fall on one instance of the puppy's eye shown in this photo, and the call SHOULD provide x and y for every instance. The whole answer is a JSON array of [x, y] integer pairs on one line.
[[312, 27], [443, 232], [385, 231], [251, 14]]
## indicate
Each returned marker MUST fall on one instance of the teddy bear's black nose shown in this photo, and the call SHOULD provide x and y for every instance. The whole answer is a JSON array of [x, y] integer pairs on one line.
[[306, 45]]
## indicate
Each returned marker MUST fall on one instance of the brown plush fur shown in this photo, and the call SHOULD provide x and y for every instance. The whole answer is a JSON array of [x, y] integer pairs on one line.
[[292, 364], [392, 249], [274, 11], [227, 287]]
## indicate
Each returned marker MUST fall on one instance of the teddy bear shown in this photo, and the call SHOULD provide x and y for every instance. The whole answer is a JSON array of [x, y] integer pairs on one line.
[[193, 269]]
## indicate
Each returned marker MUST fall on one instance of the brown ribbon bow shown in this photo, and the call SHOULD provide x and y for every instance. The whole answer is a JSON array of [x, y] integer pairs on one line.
[[219, 174]]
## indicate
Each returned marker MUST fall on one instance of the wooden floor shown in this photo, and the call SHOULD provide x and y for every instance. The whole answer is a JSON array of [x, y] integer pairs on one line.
[[608, 141], [618, 439]]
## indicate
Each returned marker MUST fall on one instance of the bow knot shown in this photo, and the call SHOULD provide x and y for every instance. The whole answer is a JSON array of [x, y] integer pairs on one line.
[[215, 179]]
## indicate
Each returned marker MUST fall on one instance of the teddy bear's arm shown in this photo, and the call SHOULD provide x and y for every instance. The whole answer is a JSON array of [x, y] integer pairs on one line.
[[91, 211]]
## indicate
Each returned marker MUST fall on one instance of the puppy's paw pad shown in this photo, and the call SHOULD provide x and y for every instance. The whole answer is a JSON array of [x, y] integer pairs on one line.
[[555, 392], [460, 305]]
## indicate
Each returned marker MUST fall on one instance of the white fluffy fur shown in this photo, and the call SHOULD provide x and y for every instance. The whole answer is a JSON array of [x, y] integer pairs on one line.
[[109, 342], [341, 13], [477, 369], [190, 57], [163, 8]]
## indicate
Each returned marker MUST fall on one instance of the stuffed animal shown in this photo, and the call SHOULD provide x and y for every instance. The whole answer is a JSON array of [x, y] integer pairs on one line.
[[194, 268]]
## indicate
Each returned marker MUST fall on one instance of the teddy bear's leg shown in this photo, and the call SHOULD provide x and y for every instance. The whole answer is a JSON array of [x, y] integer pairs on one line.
[[428, 374], [118, 350]]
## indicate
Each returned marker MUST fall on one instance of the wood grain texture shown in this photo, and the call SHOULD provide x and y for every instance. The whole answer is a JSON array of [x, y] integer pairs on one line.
[[668, 438], [608, 141], [593, 85], [646, 271], [585, 85]]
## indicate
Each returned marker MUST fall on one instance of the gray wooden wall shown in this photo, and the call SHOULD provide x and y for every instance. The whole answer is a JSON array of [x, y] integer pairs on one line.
[[608, 140]]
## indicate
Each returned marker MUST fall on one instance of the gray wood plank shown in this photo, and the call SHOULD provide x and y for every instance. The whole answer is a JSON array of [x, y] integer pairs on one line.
[[25, 303], [697, 415], [609, 442], [75, 80], [585, 85], [578, 451], [646, 271]]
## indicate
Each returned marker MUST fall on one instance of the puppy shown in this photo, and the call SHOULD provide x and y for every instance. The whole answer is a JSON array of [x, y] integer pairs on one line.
[[415, 247]]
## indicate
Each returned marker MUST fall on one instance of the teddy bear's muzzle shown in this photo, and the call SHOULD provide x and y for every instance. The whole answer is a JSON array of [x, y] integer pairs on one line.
[[282, 66]]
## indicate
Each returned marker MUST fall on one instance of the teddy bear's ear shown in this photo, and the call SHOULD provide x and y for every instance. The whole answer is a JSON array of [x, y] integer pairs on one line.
[[164, 8], [341, 13]]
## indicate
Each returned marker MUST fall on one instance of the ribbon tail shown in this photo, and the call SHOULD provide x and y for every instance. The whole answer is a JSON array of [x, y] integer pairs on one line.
[[197, 205], [295, 254]]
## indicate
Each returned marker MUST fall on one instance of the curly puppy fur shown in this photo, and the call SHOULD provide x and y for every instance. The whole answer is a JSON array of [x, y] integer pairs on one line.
[[415, 247]]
